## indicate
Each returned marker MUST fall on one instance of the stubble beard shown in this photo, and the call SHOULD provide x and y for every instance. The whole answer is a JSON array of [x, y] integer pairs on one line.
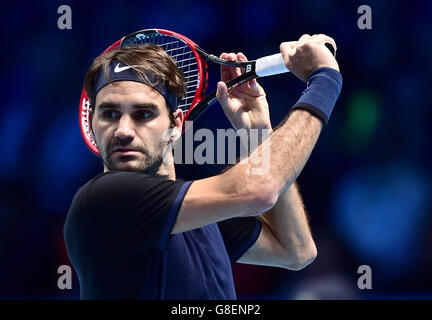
[[146, 162]]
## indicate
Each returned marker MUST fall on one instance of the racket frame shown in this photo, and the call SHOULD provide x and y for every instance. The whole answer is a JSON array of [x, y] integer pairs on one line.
[[200, 103], [202, 81]]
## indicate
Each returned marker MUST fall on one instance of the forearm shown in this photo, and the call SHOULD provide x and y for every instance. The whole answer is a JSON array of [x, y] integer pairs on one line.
[[283, 156], [288, 223], [275, 164]]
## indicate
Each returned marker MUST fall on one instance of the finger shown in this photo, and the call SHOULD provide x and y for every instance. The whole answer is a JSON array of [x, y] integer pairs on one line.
[[222, 94], [288, 49], [225, 74], [322, 39], [256, 88], [289, 45], [235, 72], [241, 57], [232, 56], [225, 70], [251, 85], [304, 37], [228, 72], [292, 44], [331, 41]]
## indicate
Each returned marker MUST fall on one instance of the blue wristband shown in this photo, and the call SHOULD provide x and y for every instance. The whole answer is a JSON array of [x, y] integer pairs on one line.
[[323, 88]]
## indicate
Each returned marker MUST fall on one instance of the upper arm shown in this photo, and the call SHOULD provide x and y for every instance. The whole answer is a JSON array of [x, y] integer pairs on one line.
[[218, 198]]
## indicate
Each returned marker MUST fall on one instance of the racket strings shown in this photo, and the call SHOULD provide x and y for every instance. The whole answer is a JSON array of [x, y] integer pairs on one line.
[[183, 56]]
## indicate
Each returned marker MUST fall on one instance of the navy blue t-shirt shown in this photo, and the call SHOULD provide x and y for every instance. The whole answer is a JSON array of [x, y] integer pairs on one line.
[[118, 237]]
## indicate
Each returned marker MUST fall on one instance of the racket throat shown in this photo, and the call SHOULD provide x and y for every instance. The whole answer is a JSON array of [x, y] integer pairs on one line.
[[199, 109]]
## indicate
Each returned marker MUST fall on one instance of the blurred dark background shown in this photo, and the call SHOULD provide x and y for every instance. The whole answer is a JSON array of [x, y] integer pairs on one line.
[[366, 186]]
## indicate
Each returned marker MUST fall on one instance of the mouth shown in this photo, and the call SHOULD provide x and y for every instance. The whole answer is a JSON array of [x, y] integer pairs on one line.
[[122, 152]]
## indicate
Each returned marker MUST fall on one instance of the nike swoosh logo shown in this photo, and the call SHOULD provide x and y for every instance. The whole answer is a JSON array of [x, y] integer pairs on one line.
[[120, 69]]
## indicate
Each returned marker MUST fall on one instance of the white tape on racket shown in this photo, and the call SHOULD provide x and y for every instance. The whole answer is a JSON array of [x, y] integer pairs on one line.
[[270, 65]]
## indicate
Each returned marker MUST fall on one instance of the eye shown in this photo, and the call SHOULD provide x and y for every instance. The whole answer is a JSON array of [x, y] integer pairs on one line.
[[110, 114], [143, 115]]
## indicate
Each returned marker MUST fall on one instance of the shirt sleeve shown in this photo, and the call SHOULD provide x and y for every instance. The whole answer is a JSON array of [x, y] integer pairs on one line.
[[239, 234], [126, 212]]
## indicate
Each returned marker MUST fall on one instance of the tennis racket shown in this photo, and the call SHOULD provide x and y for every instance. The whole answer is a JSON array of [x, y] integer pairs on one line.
[[192, 61]]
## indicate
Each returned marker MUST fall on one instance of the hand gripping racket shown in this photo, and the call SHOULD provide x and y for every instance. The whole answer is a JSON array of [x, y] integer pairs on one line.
[[192, 61]]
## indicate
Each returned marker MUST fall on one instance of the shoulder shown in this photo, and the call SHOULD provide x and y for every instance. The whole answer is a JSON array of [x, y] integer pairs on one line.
[[120, 178], [126, 188], [116, 193], [126, 184]]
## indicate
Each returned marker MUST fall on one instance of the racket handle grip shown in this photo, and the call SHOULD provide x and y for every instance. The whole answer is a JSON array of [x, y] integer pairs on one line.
[[274, 64], [270, 65]]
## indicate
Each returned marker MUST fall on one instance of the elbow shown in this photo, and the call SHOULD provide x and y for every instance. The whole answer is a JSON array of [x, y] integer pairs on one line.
[[263, 200], [303, 259], [254, 194], [266, 195]]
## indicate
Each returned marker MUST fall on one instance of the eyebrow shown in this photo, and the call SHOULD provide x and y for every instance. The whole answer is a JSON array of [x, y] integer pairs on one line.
[[109, 105]]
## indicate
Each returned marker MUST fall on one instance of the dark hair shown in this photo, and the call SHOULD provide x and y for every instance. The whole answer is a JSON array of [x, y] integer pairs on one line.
[[147, 59]]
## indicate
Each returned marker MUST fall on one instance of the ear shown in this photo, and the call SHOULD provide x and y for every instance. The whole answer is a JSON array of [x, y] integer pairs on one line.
[[178, 125], [92, 113]]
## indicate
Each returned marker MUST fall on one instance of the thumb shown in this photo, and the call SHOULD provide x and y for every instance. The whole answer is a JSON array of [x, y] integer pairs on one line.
[[222, 94], [256, 88], [223, 97]]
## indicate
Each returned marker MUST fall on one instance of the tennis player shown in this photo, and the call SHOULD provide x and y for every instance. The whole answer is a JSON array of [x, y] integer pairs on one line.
[[135, 231]]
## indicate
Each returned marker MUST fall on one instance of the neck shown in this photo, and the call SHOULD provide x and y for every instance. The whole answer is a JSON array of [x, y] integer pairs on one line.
[[167, 169]]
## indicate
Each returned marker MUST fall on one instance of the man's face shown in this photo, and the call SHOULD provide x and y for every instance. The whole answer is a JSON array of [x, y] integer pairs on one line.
[[129, 122]]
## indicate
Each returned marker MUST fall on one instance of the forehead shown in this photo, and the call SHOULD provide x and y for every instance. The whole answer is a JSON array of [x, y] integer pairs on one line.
[[124, 93]]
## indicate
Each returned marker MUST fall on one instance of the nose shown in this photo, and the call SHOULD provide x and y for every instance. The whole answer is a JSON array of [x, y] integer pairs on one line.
[[125, 130]]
